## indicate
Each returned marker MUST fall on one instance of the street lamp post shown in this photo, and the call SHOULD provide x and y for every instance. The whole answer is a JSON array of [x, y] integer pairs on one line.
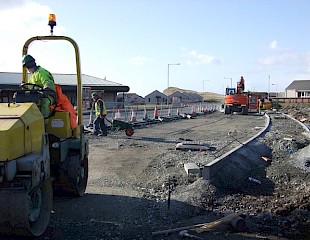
[[230, 81], [203, 85], [170, 64], [268, 86]]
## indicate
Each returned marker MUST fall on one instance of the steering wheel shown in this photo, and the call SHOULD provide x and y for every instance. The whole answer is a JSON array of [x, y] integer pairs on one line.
[[34, 86]]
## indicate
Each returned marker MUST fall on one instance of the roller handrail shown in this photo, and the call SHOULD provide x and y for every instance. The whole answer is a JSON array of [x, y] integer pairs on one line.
[[78, 67]]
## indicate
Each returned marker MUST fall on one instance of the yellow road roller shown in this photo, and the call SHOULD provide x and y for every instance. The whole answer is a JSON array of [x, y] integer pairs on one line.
[[36, 159]]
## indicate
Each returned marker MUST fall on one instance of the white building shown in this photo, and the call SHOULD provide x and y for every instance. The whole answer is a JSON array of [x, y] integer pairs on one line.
[[298, 88]]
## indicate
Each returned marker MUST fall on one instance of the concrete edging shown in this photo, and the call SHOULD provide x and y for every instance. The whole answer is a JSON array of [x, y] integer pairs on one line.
[[299, 122], [211, 168]]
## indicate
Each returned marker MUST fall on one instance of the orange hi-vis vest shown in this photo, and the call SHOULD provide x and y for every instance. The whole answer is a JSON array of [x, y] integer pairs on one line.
[[64, 105]]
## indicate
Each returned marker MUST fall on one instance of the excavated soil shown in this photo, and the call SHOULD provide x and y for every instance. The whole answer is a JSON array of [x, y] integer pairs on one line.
[[131, 179], [137, 185]]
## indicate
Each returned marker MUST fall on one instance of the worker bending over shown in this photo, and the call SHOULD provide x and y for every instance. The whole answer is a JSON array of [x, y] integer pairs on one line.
[[101, 113]]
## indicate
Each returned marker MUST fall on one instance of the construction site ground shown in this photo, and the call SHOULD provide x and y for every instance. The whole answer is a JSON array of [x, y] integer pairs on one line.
[[130, 179]]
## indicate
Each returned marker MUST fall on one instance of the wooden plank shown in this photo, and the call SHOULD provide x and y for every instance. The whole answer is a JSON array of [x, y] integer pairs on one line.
[[214, 224], [203, 226]]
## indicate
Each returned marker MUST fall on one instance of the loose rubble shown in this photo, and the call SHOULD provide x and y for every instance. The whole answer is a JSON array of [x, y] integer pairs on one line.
[[138, 185], [281, 208]]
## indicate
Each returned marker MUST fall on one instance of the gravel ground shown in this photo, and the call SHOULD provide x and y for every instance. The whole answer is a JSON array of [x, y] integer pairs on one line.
[[131, 178]]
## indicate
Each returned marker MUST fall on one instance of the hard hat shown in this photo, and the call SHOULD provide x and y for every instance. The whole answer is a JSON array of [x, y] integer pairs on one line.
[[27, 59], [94, 94]]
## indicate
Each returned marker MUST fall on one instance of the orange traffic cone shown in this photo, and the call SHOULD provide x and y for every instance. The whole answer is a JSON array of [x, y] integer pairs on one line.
[[156, 112], [133, 116], [117, 114]]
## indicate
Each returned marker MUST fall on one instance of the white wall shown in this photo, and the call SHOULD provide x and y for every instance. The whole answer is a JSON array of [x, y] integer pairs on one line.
[[290, 93]]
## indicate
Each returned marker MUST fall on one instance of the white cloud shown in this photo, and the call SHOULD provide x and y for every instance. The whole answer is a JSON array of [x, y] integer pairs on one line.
[[6, 4], [276, 60], [207, 59], [193, 53], [289, 61], [195, 58], [27, 19], [273, 45], [21, 20], [140, 60], [279, 56]]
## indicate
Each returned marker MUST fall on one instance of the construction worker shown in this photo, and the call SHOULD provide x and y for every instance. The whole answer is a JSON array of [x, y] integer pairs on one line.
[[260, 105], [101, 113], [43, 79]]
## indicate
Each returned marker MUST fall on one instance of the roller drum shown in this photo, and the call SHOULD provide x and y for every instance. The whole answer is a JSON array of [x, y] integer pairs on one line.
[[25, 213]]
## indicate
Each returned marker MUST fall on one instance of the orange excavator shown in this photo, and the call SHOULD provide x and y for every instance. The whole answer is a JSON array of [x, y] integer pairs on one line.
[[236, 100]]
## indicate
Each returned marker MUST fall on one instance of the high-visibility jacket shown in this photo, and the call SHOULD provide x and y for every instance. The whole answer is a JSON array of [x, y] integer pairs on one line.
[[64, 105], [100, 107], [43, 78]]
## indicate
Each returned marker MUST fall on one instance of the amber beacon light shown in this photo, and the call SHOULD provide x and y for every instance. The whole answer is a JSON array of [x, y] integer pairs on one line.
[[52, 22]]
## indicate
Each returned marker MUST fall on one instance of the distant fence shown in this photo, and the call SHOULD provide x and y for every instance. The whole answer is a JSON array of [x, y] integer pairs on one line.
[[122, 105], [291, 100]]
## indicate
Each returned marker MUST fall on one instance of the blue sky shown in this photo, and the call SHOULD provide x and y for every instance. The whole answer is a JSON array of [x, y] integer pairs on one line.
[[131, 42]]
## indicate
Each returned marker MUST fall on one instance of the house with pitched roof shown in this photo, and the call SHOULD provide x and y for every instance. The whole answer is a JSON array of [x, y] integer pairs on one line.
[[298, 88], [193, 97], [130, 98], [155, 97], [178, 97]]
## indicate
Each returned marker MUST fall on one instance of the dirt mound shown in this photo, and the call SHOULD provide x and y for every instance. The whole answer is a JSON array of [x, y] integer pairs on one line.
[[138, 185]]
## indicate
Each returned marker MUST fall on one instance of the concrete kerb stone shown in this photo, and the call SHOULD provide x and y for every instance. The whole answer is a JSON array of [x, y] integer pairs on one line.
[[191, 168], [300, 123], [210, 170]]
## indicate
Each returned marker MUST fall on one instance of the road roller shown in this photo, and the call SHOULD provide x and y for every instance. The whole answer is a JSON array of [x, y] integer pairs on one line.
[[38, 157]]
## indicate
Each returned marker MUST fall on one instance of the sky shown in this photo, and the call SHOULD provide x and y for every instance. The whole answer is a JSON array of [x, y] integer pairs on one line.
[[137, 42]]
